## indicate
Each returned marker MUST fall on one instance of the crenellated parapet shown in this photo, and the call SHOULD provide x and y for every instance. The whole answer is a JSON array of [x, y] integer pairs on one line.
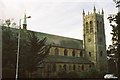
[[101, 12]]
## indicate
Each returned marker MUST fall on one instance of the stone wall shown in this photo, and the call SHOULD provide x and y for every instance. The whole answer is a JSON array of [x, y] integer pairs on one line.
[[49, 71], [69, 51]]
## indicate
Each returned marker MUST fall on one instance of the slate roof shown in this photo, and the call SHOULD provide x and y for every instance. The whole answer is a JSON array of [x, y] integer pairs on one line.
[[61, 41], [54, 40], [67, 59]]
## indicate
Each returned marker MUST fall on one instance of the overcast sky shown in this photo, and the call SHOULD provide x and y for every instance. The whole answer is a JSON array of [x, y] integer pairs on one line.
[[59, 17]]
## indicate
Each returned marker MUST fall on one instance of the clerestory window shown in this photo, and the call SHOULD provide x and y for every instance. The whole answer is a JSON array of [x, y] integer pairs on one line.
[[73, 53], [56, 51], [65, 52]]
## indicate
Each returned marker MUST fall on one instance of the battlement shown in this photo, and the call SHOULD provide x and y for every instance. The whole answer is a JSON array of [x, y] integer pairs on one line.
[[94, 12]]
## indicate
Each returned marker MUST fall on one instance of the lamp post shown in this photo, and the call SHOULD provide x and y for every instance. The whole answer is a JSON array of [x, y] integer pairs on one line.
[[18, 47]]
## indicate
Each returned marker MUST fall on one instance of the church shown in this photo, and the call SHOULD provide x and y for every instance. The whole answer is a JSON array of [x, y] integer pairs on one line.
[[71, 54]]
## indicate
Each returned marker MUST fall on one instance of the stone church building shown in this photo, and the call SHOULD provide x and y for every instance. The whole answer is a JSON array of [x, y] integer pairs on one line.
[[71, 54]]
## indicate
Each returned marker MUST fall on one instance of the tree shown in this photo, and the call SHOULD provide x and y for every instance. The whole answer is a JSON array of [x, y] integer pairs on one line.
[[9, 44], [34, 53], [118, 48], [9, 47], [116, 37], [111, 52]]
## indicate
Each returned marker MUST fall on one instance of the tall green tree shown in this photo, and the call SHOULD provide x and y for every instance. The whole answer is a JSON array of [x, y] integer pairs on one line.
[[118, 47], [9, 45], [116, 37], [9, 50], [35, 52]]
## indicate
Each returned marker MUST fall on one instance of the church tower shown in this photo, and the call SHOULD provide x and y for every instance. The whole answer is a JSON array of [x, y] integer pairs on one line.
[[94, 39]]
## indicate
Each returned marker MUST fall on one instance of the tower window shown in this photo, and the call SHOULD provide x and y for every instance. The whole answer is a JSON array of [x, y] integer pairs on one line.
[[87, 28], [60, 67], [56, 51], [81, 54], [73, 53], [90, 54], [91, 26], [65, 52]]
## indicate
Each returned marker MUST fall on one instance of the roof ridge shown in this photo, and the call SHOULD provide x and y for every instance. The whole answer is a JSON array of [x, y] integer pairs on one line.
[[56, 35]]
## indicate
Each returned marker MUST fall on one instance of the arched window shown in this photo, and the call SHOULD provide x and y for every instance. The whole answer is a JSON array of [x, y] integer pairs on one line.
[[91, 26], [87, 28], [90, 54], [65, 52], [56, 51], [73, 67], [64, 67], [81, 54], [73, 53], [82, 67], [101, 27], [60, 67]]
